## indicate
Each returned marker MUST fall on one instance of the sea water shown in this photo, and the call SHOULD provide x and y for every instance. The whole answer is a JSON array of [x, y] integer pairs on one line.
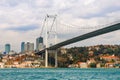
[[60, 74]]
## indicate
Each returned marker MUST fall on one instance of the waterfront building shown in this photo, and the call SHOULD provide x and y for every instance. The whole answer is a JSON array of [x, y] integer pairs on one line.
[[7, 48], [22, 46], [2, 65], [110, 58], [12, 52], [29, 46], [39, 43], [82, 64]]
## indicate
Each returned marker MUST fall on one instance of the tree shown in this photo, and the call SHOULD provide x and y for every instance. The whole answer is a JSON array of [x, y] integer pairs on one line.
[[92, 65]]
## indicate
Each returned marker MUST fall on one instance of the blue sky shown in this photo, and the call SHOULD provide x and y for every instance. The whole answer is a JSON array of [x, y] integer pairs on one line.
[[21, 20]]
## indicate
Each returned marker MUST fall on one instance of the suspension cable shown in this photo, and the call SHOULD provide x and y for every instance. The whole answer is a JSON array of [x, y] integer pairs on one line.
[[43, 26], [90, 27]]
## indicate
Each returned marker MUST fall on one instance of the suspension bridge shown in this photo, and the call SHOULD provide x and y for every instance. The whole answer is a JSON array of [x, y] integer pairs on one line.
[[108, 28]]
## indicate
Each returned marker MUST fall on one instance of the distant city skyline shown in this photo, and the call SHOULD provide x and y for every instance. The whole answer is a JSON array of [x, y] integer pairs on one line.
[[21, 20]]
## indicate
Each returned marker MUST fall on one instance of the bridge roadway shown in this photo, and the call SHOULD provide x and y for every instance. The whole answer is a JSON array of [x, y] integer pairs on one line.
[[107, 29]]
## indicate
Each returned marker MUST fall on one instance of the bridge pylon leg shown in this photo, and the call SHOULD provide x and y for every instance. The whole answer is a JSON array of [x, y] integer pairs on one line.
[[56, 63], [46, 58]]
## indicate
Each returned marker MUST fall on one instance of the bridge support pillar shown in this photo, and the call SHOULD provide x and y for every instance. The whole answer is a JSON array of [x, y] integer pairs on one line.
[[56, 63], [46, 58]]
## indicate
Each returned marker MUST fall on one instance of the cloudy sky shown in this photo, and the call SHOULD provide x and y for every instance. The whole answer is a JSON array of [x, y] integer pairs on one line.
[[21, 20]]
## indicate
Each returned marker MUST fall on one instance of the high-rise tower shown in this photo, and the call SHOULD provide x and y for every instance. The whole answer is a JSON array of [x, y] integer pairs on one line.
[[7, 48], [39, 43], [22, 46]]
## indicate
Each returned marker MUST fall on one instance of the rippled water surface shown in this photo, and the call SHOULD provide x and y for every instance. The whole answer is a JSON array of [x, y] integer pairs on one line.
[[60, 74]]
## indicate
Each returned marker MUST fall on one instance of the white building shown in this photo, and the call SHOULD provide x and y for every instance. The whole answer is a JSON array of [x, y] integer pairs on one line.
[[83, 65], [29, 46], [2, 65]]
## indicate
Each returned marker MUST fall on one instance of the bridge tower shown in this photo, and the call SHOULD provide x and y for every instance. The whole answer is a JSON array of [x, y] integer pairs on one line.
[[49, 29]]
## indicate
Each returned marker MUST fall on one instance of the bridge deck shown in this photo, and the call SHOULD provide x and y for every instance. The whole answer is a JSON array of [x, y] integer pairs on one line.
[[86, 36]]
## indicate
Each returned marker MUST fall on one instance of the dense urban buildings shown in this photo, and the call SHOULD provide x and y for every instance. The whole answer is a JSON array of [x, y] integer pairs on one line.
[[7, 48], [27, 46], [30, 46], [99, 56]]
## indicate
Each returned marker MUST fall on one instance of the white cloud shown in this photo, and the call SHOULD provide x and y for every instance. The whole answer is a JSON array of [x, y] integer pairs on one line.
[[87, 2]]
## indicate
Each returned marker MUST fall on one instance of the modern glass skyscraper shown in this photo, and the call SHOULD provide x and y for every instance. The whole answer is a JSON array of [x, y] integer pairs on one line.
[[39, 41], [22, 46], [7, 48]]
